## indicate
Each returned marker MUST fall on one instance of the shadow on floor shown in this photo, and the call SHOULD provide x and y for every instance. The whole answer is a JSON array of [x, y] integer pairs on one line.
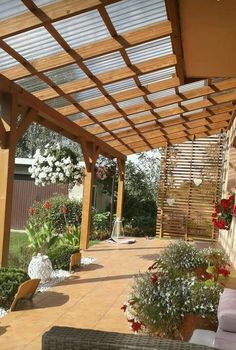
[[118, 247], [3, 330], [78, 280], [151, 257], [90, 267], [43, 300]]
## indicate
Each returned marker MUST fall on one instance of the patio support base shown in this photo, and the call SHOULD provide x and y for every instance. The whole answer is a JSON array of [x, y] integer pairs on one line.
[[120, 193]]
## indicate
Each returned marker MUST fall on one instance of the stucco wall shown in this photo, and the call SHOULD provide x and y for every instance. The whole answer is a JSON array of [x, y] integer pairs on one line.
[[228, 238]]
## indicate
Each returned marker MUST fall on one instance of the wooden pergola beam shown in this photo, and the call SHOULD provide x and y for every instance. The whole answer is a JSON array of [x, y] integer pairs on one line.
[[7, 161], [53, 116]]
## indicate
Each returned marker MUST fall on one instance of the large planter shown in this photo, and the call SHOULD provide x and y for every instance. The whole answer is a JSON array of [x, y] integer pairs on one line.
[[192, 322], [40, 267]]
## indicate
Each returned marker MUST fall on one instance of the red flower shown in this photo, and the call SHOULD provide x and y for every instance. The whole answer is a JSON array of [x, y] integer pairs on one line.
[[225, 203], [154, 278], [65, 210], [214, 215], [224, 272], [220, 224], [47, 205], [124, 307], [234, 209], [31, 211], [136, 326]]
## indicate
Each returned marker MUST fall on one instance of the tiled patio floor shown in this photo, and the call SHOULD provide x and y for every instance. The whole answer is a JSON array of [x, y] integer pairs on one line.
[[91, 298]]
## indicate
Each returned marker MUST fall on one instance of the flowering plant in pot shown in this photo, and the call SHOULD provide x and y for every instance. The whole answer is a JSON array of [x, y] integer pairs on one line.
[[223, 212], [171, 296], [56, 165]]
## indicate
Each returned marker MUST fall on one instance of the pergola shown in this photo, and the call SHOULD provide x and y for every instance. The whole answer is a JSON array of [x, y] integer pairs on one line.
[[117, 76]]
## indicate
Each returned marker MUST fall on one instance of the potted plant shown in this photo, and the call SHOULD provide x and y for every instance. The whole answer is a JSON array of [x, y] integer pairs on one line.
[[223, 212]]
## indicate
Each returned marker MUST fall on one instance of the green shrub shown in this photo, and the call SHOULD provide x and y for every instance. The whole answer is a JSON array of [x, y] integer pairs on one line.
[[10, 280], [60, 256], [101, 226], [59, 210], [140, 226], [21, 258]]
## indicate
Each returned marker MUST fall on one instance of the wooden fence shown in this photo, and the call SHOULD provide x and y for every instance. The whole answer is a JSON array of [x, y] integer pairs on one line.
[[190, 184]]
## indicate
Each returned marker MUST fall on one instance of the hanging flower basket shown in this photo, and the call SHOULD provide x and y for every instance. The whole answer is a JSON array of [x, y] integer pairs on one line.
[[104, 168], [56, 165], [223, 213]]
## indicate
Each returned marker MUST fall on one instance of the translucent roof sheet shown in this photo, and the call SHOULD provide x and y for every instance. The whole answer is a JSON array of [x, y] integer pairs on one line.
[[128, 15], [11, 8], [58, 102], [120, 86], [193, 100], [161, 94], [66, 74], [173, 105], [192, 86], [82, 29], [77, 116], [32, 84], [131, 102], [152, 49], [159, 75], [41, 3], [34, 44], [87, 95], [138, 115], [105, 63], [105, 109]]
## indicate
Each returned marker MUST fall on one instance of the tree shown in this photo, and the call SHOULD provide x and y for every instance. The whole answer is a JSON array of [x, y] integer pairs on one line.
[[37, 137]]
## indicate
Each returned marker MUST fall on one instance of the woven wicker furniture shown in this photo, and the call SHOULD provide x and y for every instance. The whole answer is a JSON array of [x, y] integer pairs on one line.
[[66, 338]]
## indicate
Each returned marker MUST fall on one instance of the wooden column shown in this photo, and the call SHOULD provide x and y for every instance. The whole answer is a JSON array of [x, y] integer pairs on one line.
[[90, 152], [7, 161], [120, 192]]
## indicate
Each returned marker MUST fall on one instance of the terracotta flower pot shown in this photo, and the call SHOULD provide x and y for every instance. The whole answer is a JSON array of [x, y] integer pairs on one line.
[[192, 322]]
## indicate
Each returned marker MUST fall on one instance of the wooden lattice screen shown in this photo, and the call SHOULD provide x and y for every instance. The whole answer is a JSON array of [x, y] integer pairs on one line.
[[190, 183]]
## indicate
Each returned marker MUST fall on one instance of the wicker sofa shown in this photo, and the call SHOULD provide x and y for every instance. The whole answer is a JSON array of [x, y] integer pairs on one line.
[[66, 338]]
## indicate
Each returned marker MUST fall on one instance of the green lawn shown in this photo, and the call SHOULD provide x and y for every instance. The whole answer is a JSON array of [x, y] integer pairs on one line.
[[19, 253]]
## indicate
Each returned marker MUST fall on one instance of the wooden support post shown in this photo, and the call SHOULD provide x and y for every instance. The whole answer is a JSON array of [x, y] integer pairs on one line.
[[90, 152], [120, 192], [7, 161]]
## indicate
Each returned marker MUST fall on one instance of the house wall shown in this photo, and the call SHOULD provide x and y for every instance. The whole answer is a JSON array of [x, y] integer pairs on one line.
[[228, 238]]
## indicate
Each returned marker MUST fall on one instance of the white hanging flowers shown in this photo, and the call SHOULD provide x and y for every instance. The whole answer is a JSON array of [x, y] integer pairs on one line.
[[56, 165]]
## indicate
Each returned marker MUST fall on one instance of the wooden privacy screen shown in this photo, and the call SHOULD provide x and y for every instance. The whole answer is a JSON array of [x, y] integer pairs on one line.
[[190, 183]]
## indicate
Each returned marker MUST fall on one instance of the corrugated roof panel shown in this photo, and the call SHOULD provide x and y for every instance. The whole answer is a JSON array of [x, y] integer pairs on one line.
[[128, 15], [193, 112], [11, 8], [159, 109], [58, 102], [131, 102], [100, 110], [120, 86], [166, 119], [192, 86], [82, 29], [41, 3], [137, 115], [163, 74], [34, 44], [87, 94], [6, 61], [76, 116], [105, 63], [32, 84], [152, 49], [65, 74], [193, 100], [161, 94]]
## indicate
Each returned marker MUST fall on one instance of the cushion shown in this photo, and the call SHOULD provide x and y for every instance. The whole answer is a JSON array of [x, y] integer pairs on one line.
[[225, 340], [227, 311], [203, 337]]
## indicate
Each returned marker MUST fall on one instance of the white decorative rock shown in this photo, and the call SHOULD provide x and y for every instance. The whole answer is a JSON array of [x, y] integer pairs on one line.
[[170, 201], [197, 182], [40, 266]]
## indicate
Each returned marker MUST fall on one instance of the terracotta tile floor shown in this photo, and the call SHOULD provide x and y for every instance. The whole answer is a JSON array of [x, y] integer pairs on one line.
[[91, 298]]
